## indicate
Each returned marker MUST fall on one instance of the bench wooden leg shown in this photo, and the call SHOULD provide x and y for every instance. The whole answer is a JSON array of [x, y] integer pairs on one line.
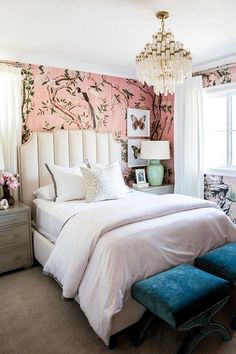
[[202, 327], [142, 327], [195, 336], [233, 323]]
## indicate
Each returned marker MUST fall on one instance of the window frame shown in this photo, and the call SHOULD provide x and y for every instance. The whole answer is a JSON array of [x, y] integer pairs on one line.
[[226, 90]]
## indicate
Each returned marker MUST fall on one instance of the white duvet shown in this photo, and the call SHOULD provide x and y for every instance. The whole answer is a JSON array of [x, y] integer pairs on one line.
[[103, 249]]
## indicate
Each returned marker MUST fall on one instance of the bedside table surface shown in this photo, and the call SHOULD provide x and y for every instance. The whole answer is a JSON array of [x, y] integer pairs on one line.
[[17, 207], [163, 189]]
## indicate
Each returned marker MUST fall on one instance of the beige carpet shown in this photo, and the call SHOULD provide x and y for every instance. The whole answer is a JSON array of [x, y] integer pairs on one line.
[[34, 320]]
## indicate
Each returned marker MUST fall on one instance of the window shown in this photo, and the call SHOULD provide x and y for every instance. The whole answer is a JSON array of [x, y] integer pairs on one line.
[[219, 117]]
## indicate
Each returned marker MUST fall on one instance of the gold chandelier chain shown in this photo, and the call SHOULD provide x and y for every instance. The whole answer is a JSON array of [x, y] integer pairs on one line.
[[162, 25]]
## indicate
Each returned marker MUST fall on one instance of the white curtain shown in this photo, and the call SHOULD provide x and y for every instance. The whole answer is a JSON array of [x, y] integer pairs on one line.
[[10, 115], [188, 138]]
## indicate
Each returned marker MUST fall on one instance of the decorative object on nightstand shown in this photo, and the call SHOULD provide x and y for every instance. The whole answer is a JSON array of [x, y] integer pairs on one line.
[[140, 175], [155, 151], [15, 238], [4, 204], [8, 182], [140, 179]]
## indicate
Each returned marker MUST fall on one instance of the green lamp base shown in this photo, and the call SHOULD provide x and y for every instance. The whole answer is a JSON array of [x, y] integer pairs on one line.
[[155, 173]]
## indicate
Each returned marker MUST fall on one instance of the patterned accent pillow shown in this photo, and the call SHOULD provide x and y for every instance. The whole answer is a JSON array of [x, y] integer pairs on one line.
[[99, 185], [116, 174]]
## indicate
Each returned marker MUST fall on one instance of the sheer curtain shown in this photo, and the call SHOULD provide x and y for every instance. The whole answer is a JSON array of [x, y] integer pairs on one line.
[[188, 138], [10, 115]]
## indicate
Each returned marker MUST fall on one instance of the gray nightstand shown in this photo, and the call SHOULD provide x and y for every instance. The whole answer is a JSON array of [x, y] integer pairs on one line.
[[15, 238], [163, 189]]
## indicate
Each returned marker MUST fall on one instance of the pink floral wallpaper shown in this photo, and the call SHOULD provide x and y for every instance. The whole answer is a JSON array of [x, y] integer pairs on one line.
[[163, 129], [218, 76], [56, 98]]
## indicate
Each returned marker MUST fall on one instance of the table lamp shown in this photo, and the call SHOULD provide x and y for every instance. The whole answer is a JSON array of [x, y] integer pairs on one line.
[[154, 151]]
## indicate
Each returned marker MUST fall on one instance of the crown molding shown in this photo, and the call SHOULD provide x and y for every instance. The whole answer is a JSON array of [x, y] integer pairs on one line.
[[63, 63], [117, 71]]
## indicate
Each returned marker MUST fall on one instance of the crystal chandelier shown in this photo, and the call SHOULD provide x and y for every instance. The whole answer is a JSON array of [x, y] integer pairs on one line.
[[163, 62]]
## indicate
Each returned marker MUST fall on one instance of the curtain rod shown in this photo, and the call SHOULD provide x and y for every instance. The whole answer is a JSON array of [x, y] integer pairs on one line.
[[11, 63]]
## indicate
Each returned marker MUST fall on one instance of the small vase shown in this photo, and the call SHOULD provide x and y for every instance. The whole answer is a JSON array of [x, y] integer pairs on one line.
[[7, 196]]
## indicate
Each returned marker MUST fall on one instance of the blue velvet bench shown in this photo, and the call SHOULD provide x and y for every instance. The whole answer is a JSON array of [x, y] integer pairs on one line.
[[222, 263], [185, 297]]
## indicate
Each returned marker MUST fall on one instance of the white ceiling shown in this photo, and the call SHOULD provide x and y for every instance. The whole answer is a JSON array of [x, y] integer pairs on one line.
[[104, 36]]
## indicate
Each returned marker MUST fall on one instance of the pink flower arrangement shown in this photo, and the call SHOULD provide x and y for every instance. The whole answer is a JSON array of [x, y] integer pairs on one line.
[[9, 180]]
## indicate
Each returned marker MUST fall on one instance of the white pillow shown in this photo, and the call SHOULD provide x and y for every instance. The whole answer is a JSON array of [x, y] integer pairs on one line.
[[99, 185], [46, 192], [115, 175], [68, 182]]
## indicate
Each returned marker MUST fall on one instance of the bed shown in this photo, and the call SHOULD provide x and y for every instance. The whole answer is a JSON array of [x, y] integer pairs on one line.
[[145, 234]]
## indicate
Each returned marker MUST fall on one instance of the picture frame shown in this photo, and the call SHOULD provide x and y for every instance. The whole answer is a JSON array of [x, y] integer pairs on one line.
[[134, 149], [138, 123], [140, 176]]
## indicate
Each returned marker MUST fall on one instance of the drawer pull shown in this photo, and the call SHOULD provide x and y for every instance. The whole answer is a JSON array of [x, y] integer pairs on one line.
[[16, 236], [18, 258]]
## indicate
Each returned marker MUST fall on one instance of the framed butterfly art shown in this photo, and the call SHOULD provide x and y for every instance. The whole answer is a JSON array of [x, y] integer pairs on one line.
[[138, 123], [134, 149]]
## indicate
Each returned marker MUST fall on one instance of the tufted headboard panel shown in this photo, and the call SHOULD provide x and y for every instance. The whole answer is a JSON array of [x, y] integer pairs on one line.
[[64, 148]]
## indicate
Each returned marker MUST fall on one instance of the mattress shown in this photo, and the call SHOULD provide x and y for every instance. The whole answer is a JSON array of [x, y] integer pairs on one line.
[[49, 217]]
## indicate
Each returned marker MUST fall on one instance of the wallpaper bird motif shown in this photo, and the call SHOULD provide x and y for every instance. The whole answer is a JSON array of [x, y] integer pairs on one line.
[[56, 98]]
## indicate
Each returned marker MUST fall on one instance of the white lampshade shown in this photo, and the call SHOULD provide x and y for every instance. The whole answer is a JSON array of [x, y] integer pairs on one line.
[[1, 158], [155, 150]]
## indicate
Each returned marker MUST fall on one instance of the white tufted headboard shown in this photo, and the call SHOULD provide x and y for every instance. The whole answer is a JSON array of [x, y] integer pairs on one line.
[[65, 148]]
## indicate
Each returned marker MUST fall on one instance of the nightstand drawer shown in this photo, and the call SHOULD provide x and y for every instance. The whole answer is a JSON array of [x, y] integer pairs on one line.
[[15, 218], [14, 236], [14, 259]]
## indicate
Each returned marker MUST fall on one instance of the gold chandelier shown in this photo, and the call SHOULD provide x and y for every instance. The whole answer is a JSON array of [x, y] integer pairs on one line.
[[163, 62]]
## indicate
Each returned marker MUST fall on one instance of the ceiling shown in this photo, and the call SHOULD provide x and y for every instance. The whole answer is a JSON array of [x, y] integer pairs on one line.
[[104, 36]]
